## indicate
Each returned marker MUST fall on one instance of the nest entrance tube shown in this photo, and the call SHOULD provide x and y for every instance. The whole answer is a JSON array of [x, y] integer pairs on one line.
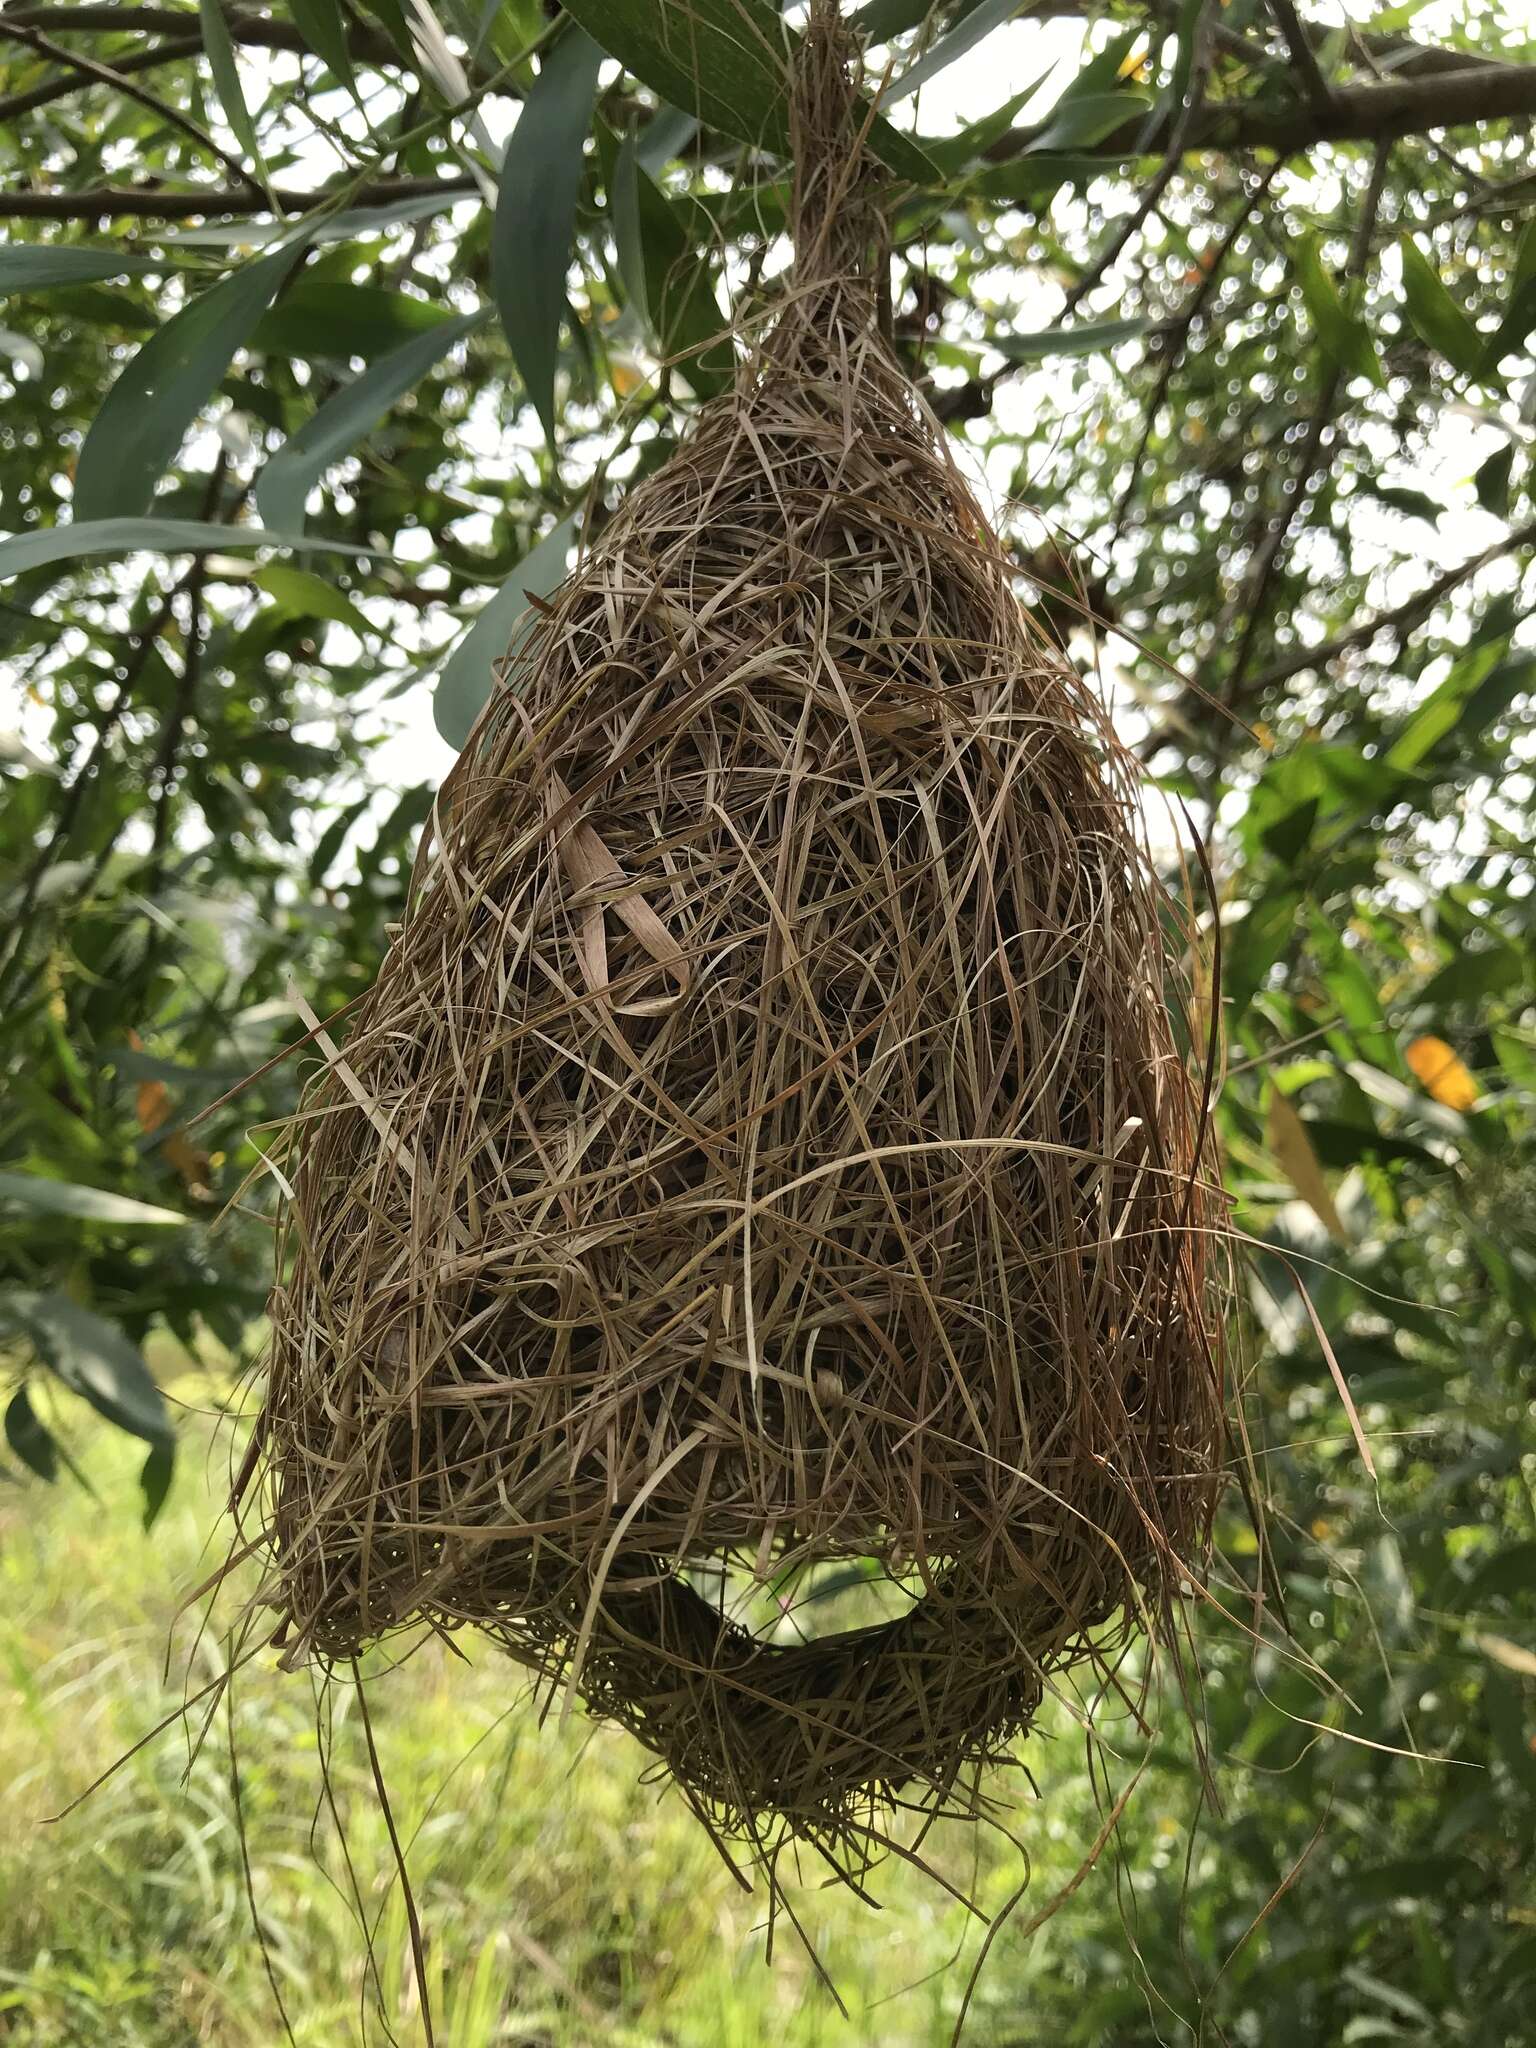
[[766, 1149]]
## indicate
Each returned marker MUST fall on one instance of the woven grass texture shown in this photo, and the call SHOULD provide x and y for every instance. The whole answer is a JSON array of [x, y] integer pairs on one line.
[[768, 1142]]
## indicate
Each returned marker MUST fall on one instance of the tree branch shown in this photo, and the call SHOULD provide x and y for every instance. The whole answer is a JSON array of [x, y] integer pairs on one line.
[[1355, 113], [149, 203], [1401, 621], [263, 31]]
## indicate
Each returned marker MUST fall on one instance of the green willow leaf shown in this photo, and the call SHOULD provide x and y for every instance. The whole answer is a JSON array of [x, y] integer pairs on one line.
[[1443, 710], [318, 317], [94, 1360], [1078, 123], [1067, 341], [667, 275], [35, 268], [466, 678], [162, 388], [36, 1192], [1491, 480], [628, 236], [536, 213], [155, 1478], [343, 421], [330, 840], [882, 18], [78, 540], [1344, 336], [392, 14], [728, 62], [953, 44], [304, 595], [1435, 315], [29, 1438], [324, 28], [218, 46], [356, 224], [1253, 944]]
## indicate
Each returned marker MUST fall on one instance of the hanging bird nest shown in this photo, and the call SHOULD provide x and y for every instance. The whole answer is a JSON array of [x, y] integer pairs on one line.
[[767, 1143]]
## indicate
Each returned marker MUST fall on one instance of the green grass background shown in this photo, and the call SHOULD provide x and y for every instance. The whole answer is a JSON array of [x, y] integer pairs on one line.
[[565, 1901]]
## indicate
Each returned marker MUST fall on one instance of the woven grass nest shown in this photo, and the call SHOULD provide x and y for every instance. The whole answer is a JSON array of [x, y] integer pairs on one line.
[[766, 1143]]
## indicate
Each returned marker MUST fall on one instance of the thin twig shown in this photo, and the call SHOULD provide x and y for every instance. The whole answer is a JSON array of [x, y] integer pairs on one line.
[[1184, 121], [53, 89], [1299, 484], [1303, 56], [1177, 338], [1400, 621], [103, 74]]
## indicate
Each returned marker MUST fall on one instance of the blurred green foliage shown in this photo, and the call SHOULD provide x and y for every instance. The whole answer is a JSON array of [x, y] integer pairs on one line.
[[1275, 408]]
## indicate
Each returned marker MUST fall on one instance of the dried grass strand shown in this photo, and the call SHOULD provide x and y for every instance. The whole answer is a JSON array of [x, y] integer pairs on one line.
[[776, 1134]]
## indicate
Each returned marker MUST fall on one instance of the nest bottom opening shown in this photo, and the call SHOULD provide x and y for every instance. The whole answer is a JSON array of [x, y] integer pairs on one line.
[[814, 1734]]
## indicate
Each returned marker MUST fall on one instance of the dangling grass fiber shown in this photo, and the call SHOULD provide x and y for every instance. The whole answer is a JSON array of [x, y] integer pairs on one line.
[[767, 1141]]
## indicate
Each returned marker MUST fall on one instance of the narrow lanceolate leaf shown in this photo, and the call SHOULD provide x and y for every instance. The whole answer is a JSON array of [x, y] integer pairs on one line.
[[1286, 1136], [536, 213], [1344, 336], [161, 390], [1479, 688], [85, 538], [222, 63], [1436, 316], [1252, 944], [155, 1479], [728, 62], [1079, 121], [24, 269], [468, 674], [38, 1194], [320, 317], [1089, 340], [29, 1438], [964, 36], [628, 234], [304, 595], [336, 429], [93, 1358], [667, 275], [323, 27], [1520, 311]]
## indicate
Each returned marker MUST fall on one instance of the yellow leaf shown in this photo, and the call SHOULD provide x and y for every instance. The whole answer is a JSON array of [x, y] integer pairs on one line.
[[1441, 1074], [152, 1104], [1134, 66], [1286, 1136], [625, 377], [190, 1162], [1513, 1656]]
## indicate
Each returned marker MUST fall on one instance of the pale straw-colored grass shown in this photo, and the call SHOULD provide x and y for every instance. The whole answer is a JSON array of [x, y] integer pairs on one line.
[[768, 1140]]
